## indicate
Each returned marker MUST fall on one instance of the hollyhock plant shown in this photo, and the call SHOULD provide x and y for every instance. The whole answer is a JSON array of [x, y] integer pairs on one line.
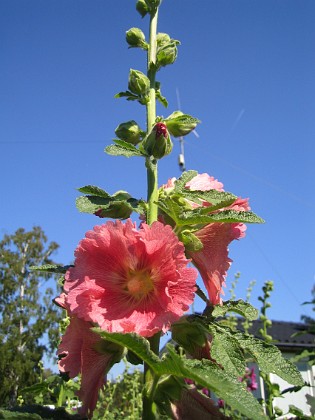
[[130, 280], [84, 352], [129, 284]]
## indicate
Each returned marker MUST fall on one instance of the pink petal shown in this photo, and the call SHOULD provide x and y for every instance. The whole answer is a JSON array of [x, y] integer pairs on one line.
[[212, 261], [78, 351], [204, 182]]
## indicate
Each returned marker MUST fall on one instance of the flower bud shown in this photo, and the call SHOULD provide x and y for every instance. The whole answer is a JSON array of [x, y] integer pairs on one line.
[[166, 52], [135, 38], [162, 39], [166, 55], [138, 82], [193, 336], [179, 124], [152, 5], [142, 7], [129, 131], [158, 143]]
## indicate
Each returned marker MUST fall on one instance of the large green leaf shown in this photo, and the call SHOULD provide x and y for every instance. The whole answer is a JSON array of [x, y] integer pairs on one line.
[[204, 372], [209, 375], [226, 351], [239, 306], [269, 358]]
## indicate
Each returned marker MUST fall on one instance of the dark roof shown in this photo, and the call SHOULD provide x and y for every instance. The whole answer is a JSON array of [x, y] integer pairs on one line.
[[283, 333]]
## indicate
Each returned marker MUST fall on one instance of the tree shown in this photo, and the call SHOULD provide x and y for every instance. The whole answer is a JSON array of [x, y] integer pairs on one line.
[[28, 318]]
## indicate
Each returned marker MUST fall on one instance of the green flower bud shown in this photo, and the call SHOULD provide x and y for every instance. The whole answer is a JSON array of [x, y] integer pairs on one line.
[[142, 7], [166, 52], [138, 82], [162, 39], [135, 38], [158, 143], [152, 5], [129, 131], [166, 55], [179, 124]]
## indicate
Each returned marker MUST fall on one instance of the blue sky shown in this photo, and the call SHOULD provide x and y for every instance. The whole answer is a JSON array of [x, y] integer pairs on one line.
[[245, 68]]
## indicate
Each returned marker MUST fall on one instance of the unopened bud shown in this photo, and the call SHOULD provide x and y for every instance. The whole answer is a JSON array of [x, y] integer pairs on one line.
[[142, 7], [166, 52], [179, 124], [138, 82], [162, 39], [158, 143], [166, 55], [129, 131], [135, 38]]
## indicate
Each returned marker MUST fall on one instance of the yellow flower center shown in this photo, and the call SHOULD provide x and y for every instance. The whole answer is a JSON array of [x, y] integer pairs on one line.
[[139, 284]]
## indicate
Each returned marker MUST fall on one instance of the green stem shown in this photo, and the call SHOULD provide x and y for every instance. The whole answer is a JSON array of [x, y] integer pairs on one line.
[[151, 164], [150, 378]]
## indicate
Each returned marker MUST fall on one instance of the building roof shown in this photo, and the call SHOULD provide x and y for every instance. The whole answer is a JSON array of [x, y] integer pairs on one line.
[[286, 334]]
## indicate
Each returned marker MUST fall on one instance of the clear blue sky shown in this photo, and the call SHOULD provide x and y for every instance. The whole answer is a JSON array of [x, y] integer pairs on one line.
[[245, 68]]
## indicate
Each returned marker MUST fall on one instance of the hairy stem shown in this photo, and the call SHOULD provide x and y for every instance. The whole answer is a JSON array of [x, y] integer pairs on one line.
[[151, 164]]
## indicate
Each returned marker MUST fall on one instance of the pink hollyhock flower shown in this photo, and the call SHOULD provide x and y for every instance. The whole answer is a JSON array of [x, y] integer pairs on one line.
[[212, 260], [83, 351], [129, 280]]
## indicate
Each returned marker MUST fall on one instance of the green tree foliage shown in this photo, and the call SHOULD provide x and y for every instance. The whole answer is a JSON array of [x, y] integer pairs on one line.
[[28, 319]]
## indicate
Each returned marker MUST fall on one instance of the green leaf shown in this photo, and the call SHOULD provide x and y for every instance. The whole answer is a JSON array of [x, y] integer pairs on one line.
[[118, 206], [93, 190], [209, 375], [191, 242], [51, 268], [128, 95], [134, 342], [196, 216], [183, 179], [226, 351], [217, 199], [122, 148], [159, 95], [269, 358], [240, 307], [205, 372]]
